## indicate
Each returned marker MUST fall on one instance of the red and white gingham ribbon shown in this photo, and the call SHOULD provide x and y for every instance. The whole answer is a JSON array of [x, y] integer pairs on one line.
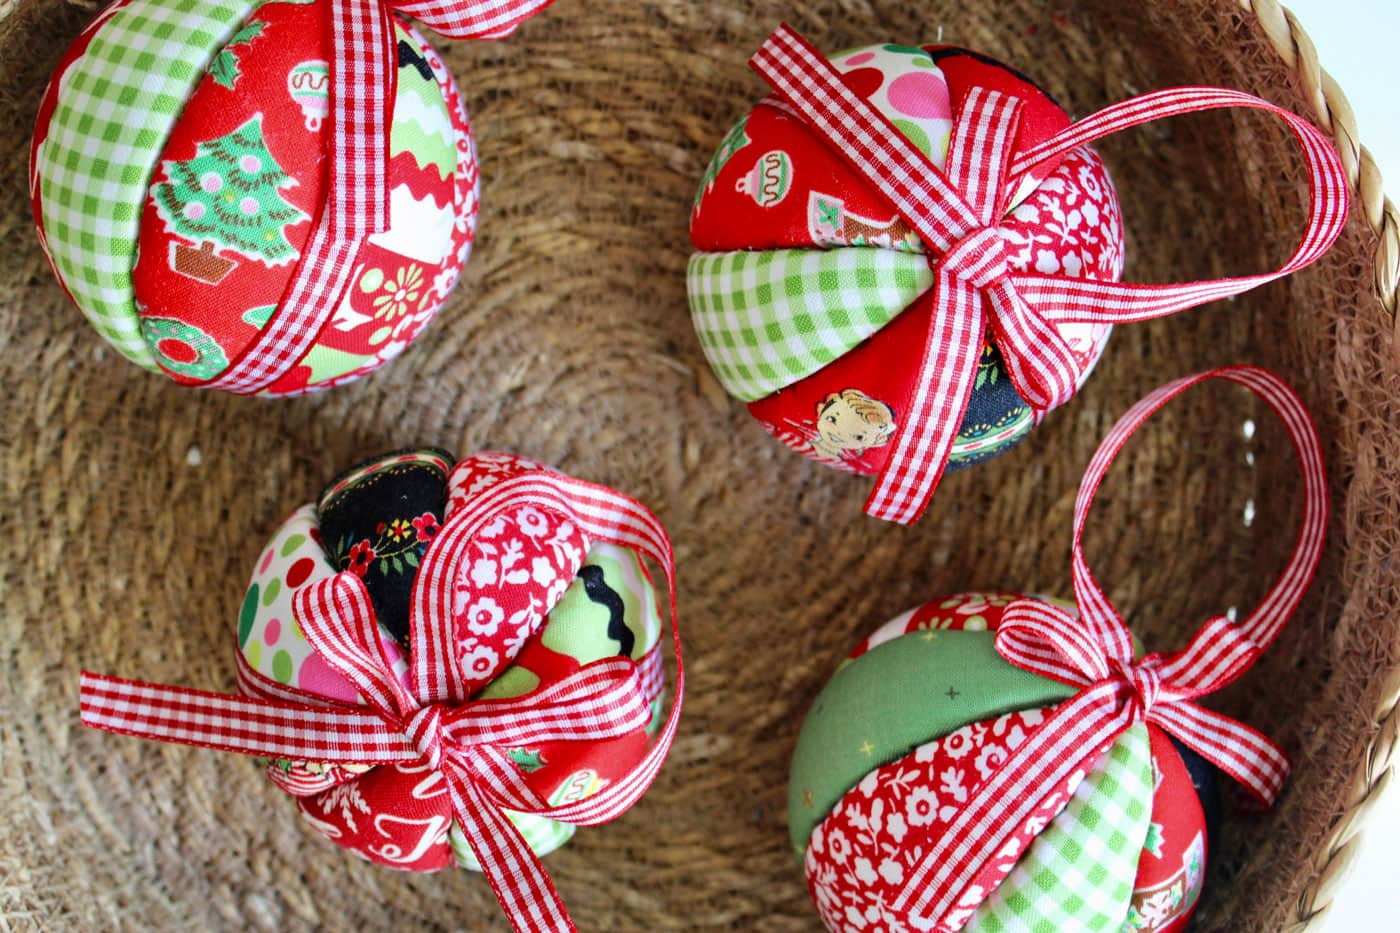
[[435, 722], [363, 77], [1094, 652], [956, 211]]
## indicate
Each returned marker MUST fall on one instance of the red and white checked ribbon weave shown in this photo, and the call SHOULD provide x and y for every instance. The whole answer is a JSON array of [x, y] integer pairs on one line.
[[1094, 652], [435, 722], [955, 211], [363, 76]]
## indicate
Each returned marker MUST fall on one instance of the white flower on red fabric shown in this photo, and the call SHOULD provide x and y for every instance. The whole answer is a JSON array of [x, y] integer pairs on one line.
[[891, 871], [1089, 181], [959, 743], [877, 816], [532, 521], [1015, 737], [555, 591], [493, 529], [870, 783], [865, 871], [921, 807], [989, 759], [896, 827], [953, 782], [855, 918], [542, 571], [818, 840], [839, 846], [480, 660], [1046, 262], [484, 616], [484, 572]]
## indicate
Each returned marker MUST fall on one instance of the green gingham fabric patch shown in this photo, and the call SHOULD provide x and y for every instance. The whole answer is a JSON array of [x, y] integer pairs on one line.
[[1079, 873], [116, 105], [541, 834], [769, 319]]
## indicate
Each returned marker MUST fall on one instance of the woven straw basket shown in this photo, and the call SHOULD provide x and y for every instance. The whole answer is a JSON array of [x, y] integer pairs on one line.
[[131, 511]]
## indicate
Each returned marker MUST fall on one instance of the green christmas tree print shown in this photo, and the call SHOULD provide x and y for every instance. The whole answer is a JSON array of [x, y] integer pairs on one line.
[[228, 197]]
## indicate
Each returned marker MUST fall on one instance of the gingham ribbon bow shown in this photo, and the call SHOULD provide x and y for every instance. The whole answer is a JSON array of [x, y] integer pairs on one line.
[[955, 212], [435, 722], [1094, 652], [362, 80]]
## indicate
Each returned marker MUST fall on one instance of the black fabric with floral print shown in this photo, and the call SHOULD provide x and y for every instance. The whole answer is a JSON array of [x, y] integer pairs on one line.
[[378, 526]]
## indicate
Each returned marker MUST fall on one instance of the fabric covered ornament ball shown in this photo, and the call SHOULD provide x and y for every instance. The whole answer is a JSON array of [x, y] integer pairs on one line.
[[915, 718], [811, 295], [180, 165], [541, 602]]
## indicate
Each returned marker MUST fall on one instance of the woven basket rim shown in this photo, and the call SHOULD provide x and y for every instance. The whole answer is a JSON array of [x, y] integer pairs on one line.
[[1333, 113]]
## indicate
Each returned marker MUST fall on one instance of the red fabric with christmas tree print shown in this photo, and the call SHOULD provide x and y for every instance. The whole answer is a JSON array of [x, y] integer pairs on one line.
[[242, 178]]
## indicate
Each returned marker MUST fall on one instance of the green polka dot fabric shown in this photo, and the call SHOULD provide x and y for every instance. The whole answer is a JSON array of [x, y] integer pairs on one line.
[[1079, 872], [116, 104], [769, 319]]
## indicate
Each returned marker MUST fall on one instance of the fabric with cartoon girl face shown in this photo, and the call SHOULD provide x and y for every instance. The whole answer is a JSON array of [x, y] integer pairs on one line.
[[232, 180], [792, 239], [537, 602], [869, 791]]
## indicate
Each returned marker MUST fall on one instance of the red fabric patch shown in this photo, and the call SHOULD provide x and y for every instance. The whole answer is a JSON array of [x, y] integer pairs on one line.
[[517, 568], [1171, 871], [395, 815], [1041, 117]]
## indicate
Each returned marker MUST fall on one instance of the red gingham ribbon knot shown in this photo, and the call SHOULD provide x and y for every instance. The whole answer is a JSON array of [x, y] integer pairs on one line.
[[954, 211], [436, 721], [363, 77], [425, 732], [1093, 651]]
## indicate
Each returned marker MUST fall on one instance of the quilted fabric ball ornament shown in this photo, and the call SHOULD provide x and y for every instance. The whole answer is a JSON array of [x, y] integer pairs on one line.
[[446, 663], [993, 761], [907, 255], [240, 196]]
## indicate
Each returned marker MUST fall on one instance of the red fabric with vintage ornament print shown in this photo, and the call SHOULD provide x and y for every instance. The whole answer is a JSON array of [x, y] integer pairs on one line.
[[734, 209], [242, 178]]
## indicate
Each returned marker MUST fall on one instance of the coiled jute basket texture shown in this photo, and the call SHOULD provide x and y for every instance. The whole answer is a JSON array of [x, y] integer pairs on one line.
[[132, 510]]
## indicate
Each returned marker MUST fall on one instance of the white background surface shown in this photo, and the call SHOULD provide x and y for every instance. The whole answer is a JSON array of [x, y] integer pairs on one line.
[[1358, 43]]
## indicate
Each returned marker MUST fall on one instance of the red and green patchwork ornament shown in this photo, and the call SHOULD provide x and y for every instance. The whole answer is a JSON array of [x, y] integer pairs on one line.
[[811, 296], [924, 710], [538, 601], [179, 166]]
